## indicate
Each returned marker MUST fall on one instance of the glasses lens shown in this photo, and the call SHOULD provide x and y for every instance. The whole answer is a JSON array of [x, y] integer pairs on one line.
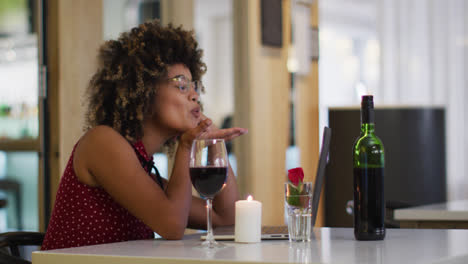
[[185, 85], [181, 83]]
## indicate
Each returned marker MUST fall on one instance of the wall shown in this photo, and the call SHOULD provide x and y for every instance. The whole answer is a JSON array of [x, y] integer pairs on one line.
[[74, 35], [178, 12], [307, 117], [261, 83], [213, 30]]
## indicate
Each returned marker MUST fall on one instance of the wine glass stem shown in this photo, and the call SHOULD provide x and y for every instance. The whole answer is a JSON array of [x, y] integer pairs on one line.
[[209, 229]]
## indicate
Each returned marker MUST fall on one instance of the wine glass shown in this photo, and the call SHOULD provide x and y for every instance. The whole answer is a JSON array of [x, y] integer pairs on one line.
[[208, 172]]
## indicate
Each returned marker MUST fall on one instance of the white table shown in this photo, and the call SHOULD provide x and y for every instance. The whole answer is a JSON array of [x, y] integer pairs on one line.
[[453, 214], [330, 245]]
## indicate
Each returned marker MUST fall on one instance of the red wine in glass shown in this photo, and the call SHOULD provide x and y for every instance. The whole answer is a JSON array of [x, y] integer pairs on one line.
[[208, 181]]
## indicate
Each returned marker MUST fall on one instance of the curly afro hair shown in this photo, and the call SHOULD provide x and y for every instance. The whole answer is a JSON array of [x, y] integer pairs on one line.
[[121, 92]]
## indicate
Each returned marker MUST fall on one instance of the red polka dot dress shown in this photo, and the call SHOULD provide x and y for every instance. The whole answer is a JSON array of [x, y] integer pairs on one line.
[[85, 215]]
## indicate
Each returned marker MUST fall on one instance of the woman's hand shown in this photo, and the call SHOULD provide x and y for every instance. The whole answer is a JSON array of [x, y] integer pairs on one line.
[[206, 130], [188, 136], [226, 134]]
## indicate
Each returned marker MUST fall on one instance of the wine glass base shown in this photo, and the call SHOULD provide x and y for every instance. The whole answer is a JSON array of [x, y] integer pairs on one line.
[[212, 244]]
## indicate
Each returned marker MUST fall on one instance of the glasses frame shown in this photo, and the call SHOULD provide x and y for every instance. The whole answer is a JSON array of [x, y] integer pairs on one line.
[[185, 84]]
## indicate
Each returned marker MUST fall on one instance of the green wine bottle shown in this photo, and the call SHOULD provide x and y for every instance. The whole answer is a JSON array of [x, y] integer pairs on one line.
[[368, 174]]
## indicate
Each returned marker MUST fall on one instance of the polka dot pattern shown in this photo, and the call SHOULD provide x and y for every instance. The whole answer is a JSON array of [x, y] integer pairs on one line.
[[85, 215]]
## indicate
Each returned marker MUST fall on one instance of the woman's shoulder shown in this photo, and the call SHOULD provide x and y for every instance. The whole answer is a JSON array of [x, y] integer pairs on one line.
[[95, 149], [102, 130], [100, 140], [102, 134]]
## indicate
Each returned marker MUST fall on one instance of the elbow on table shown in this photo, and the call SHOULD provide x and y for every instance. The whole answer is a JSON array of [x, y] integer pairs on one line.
[[173, 236], [175, 231]]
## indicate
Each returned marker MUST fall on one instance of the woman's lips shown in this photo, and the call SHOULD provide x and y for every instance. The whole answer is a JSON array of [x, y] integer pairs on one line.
[[196, 112]]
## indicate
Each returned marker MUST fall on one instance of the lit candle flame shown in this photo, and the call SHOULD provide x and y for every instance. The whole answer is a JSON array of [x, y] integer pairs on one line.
[[249, 198]]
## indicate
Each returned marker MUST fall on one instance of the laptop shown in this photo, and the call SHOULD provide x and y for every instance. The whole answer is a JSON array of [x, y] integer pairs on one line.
[[281, 232]]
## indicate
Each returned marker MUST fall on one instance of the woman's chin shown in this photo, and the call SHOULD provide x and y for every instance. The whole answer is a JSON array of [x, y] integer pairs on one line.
[[194, 124], [187, 126], [182, 130]]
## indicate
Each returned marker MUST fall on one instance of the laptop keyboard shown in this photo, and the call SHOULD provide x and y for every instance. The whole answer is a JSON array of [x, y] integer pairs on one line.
[[274, 229]]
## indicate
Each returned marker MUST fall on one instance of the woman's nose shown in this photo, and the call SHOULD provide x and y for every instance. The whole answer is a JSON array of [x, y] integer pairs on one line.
[[193, 95]]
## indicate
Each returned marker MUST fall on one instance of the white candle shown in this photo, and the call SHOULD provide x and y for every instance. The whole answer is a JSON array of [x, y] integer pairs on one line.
[[248, 221]]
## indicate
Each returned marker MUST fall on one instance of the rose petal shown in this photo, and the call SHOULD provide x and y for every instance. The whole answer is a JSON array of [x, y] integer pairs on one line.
[[296, 175]]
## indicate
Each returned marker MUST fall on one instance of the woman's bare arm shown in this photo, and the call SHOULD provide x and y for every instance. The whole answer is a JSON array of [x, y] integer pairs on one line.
[[112, 164]]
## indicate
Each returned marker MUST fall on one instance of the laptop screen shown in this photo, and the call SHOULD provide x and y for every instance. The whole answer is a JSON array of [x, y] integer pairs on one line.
[[319, 177]]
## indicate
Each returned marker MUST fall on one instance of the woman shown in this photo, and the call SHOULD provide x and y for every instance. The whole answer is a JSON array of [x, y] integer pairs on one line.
[[144, 94]]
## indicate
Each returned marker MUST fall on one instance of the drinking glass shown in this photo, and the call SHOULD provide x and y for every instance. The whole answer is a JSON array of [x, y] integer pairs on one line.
[[298, 202], [208, 172]]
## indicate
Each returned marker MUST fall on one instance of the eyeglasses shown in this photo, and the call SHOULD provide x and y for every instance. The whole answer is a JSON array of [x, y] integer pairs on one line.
[[185, 84]]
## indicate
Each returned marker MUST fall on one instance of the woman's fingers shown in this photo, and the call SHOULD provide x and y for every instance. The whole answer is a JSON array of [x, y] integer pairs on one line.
[[202, 128], [226, 134], [206, 130], [233, 136]]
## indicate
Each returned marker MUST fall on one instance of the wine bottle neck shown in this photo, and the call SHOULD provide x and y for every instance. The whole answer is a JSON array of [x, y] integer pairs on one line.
[[367, 119], [367, 128], [367, 114]]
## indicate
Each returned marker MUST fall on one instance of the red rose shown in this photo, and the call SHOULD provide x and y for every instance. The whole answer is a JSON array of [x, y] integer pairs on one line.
[[296, 176]]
